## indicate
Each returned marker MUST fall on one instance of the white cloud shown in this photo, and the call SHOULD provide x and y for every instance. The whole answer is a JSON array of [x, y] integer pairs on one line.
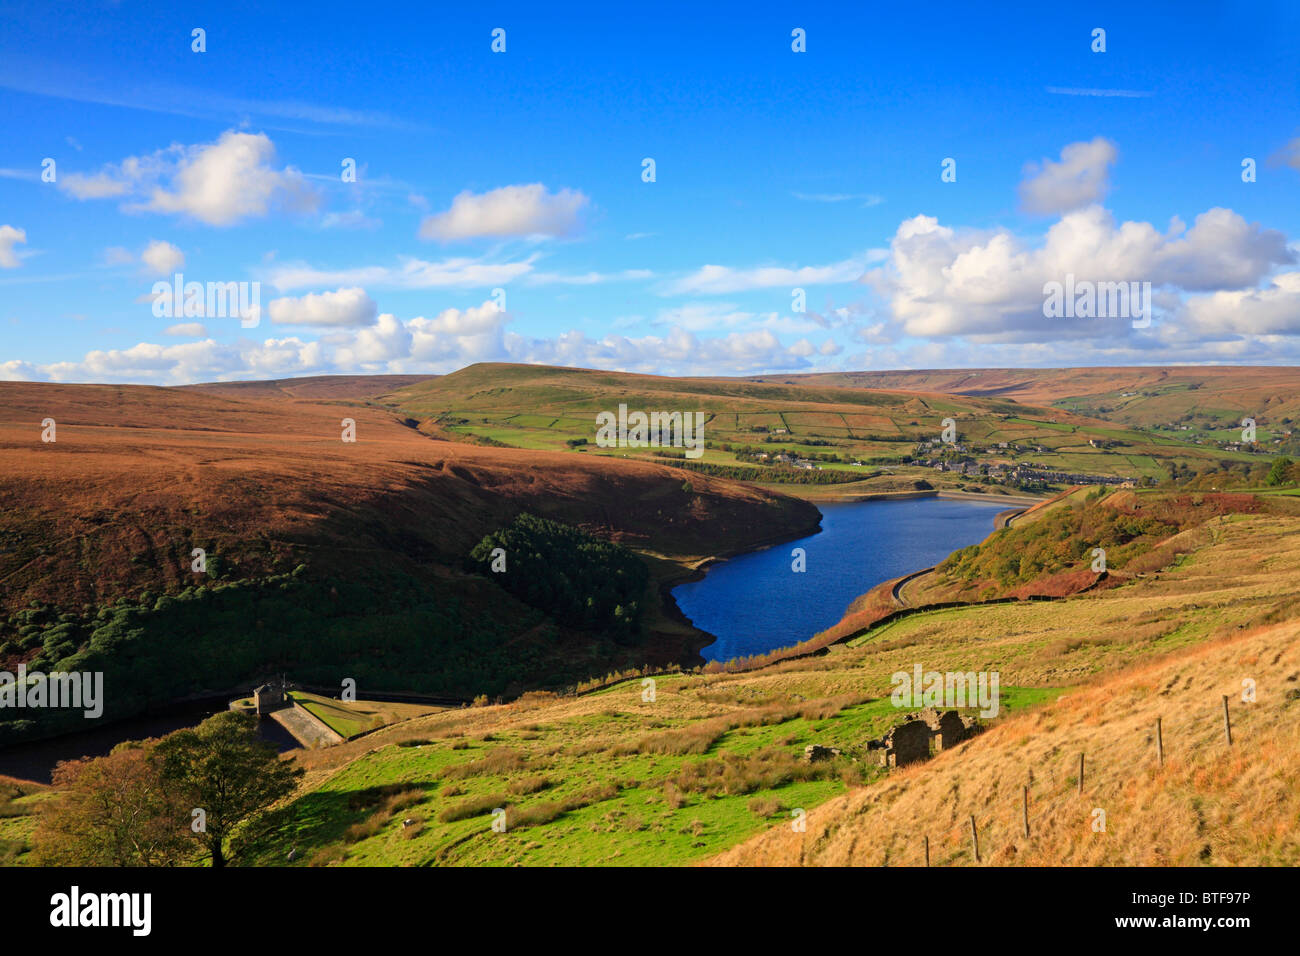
[[1079, 178], [941, 282], [1290, 154], [162, 258], [410, 274], [217, 183], [229, 180], [1273, 310], [511, 211], [190, 362], [716, 280], [18, 371], [447, 341], [9, 237], [158, 258], [187, 329], [344, 308]]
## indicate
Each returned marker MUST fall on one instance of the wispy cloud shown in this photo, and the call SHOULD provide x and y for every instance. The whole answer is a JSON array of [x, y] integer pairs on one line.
[[867, 199], [714, 280], [411, 273], [193, 102], [1081, 91], [588, 278]]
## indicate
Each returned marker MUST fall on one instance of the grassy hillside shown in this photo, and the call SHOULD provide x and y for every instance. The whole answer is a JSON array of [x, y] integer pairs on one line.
[[711, 765], [827, 419]]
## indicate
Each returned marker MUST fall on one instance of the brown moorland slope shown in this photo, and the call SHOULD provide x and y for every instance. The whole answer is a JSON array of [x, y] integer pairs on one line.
[[138, 470], [1048, 385], [139, 476], [320, 387]]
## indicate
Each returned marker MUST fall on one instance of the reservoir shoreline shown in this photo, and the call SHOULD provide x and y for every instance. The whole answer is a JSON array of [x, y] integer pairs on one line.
[[762, 608]]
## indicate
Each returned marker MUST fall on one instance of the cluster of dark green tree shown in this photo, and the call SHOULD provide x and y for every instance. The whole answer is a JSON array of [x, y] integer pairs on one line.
[[198, 794], [1224, 475], [1283, 472], [386, 631], [578, 579]]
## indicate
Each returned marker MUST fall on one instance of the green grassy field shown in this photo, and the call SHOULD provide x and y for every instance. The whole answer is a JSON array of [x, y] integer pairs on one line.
[[624, 806], [546, 408]]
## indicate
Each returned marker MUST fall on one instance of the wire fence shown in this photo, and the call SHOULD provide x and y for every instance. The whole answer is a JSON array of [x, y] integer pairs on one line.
[[1040, 800]]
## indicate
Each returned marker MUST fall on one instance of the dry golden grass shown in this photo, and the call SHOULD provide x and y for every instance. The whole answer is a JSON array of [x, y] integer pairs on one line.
[[1208, 804]]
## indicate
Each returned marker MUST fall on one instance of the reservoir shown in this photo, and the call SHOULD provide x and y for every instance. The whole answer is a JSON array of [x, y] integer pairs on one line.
[[756, 603]]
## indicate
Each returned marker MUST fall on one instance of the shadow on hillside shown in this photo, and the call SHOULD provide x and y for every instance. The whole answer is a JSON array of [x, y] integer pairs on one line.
[[322, 819]]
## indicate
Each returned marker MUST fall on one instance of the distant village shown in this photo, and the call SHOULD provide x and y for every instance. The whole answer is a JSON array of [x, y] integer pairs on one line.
[[1017, 474], [960, 459]]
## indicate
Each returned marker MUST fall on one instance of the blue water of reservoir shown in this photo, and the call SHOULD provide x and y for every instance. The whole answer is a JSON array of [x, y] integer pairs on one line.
[[755, 603]]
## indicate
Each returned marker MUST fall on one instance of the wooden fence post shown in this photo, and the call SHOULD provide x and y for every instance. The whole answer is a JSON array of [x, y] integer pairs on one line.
[[1160, 744], [1024, 808], [974, 838], [1227, 721], [927, 851], [1080, 774]]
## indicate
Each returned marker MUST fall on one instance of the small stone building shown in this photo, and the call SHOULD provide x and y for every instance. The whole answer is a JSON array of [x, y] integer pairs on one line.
[[910, 741], [906, 743], [948, 727], [268, 698]]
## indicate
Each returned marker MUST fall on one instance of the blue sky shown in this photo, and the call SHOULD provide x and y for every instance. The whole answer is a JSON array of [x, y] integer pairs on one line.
[[522, 171]]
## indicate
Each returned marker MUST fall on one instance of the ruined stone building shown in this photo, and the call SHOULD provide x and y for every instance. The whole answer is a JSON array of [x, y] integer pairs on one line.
[[910, 741]]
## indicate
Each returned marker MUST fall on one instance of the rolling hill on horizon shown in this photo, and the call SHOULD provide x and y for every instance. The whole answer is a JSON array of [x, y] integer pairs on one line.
[[98, 527], [1144, 396], [848, 417]]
